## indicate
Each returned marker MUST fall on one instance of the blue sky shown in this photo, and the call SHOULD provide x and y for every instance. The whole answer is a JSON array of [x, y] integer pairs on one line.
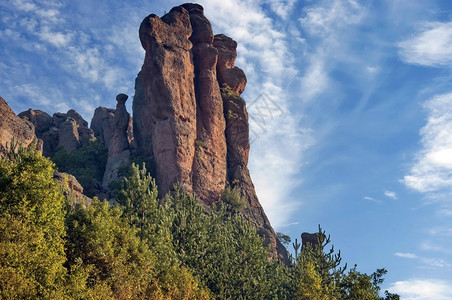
[[350, 108]]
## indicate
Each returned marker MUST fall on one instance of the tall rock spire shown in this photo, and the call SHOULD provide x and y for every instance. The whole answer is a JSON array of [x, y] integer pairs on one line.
[[189, 118]]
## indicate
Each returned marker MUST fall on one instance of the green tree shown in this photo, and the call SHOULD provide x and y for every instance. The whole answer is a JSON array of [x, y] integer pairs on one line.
[[87, 164], [318, 275], [153, 222], [138, 199], [101, 245], [310, 286], [224, 250], [31, 227], [356, 285]]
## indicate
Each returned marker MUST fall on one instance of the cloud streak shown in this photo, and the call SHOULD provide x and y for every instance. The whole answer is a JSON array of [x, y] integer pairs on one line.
[[405, 255], [324, 23], [427, 261], [391, 195], [278, 141]]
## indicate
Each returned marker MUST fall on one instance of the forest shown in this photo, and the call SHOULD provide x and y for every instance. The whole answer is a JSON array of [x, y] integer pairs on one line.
[[146, 247]]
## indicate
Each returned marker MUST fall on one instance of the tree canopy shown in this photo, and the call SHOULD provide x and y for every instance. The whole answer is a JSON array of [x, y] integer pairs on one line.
[[150, 248]]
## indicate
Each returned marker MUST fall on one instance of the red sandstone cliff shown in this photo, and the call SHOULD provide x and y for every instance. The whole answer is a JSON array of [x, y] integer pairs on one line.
[[189, 118]]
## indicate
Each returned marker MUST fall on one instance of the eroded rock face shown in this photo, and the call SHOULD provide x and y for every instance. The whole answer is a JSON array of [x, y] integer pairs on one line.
[[167, 118], [193, 132], [113, 127], [41, 120], [12, 126], [72, 190], [228, 74], [67, 130]]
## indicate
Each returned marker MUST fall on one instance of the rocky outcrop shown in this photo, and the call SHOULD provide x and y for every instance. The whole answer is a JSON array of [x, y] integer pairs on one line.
[[67, 130], [166, 127], [40, 120], [229, 74], [113, 127], [14, 127], [313, 239], [72, 190], [193, 132]]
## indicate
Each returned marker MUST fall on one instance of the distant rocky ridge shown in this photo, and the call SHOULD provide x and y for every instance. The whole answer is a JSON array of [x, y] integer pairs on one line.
[[189, 120], [68, 131]]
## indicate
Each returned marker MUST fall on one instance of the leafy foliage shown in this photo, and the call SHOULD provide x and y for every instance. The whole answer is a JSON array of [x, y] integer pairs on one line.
[[87, 164], [31, 227], [150, 248], [318, 275]]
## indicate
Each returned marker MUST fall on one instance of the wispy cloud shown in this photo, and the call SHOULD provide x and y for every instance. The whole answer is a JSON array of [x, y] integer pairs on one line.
[[435, 262], [329, 24], [423, 289], [281, 7], [440, 231], [57, 39], [405, 255], [428, 262], [368, 198], [435, 247], [432, 171], [89, 58], [278, 140], [431, 46], [391, 195]]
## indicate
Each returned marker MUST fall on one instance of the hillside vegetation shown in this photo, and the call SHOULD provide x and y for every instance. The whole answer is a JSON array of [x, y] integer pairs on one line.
[[150, 248]]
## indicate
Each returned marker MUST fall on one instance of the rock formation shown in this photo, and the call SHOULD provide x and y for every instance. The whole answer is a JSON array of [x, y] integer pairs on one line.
[[41, 120], [310, 238], [69, 131], [189, 118], [22, 128], [113, 127], [72, 190], [14, 127]]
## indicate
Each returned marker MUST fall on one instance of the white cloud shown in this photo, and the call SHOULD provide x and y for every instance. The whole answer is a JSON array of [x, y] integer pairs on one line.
[[428, 262], [24, 5], [57, 39], [432, 171], [281, 7], [391, 195], [430, 246], [325, 19], [435, 262], [430, 47], [441, 231], [32, 92], [373, 69], [371, 199], [330, 25], [315, 80], [422, 289], [405, 255]]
